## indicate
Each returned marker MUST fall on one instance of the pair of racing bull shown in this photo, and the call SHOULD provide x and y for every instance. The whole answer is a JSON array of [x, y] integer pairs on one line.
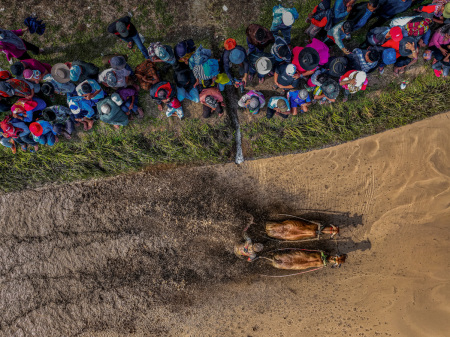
[[293, 230]]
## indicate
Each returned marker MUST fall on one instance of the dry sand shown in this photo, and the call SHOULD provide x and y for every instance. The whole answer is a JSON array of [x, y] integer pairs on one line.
[[151, 254]]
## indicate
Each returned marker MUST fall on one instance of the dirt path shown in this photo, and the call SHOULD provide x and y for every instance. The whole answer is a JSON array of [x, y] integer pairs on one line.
[[151, 254]]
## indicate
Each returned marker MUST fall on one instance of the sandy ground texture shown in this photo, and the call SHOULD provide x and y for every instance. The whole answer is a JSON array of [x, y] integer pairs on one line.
[[151, 254]]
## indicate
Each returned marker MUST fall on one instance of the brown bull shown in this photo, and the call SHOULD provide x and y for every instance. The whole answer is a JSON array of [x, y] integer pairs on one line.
[[299, 260], [293, 230]]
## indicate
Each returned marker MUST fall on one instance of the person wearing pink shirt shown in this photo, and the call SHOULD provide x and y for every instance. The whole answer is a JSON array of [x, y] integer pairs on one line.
[[13, 46], [440, 43]]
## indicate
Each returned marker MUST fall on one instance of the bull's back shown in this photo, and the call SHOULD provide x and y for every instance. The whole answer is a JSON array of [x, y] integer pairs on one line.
[[291, 230]]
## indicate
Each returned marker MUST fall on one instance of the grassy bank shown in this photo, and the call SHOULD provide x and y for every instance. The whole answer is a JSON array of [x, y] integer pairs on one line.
[[76, 32]]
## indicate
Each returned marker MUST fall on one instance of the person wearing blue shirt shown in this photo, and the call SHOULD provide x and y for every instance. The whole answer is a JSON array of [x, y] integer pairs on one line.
[[43, 133], [82, 110], [283, 19], [361, 13], [90, 90], [341, 9], [387, 9], [278, 105], [299, 98]]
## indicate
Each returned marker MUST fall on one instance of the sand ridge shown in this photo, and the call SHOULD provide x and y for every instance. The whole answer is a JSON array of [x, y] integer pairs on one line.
[[151, 254]]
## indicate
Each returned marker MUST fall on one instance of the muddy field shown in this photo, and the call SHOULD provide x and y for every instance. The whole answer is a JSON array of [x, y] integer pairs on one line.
[[152, 254]]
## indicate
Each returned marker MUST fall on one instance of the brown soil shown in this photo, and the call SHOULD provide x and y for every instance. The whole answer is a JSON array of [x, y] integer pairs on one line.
[[151, 254]]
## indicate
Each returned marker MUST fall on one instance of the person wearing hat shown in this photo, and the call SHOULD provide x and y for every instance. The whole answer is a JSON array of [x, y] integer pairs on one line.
[[184, 50], [446, 13], [164, 92], [380, 35], [306, 60], [110, 112], [114, 78], [253, 101], [352, 82], [388, 56], [14, 46], [284, 77], [327, 89], [283, 19], [185, 80], [24, 108], [117, 62], [51, 86], [340, 32], [281, 51], [238, 57], [440, 43], [125, 30], [42, 132], [79, 71], [16, 131], [260, 63], [18, 67], [130, 96], [336, 67], [60, 117], [90, 90], [212, 101], [161, 53], [299, 98], [365, 60], [83, 110], [278, 105], [146, 74], [258, 38]]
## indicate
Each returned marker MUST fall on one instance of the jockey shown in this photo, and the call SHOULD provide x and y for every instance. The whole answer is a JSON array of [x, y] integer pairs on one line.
[[248, 249]]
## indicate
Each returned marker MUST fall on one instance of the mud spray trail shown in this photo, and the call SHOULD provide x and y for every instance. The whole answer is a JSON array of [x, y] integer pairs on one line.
[[151, 254]]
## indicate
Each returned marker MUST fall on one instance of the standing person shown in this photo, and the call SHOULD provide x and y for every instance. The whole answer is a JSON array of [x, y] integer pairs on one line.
[[248, 249], [253, 101], [278, 105], [352, 82], [212, 101], [365, 60], [285, 77], [184, 50], [24, 109], [306, 61], [125, 30], [16, 87], [260, 63], [13, 46], [43, 133], [341, 9], [299, 98], [185, 80], [236, 56], [283, 19], [361, 13], [340, 32], [80, 71], [320, 17], [258, 38], [18, 68], [130, 96], [90, 90], [387, 9], [440, 43], [161, 53], [281, 51], [110, 112], [16, 131], [165, 92], [114, 78], [59, 117]]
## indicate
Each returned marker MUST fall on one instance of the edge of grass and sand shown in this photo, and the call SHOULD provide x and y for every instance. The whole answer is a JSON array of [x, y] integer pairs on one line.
[[157, 140]]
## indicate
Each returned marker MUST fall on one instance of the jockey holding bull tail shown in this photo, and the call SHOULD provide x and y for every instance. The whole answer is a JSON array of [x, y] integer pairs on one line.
[[248, 249]]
